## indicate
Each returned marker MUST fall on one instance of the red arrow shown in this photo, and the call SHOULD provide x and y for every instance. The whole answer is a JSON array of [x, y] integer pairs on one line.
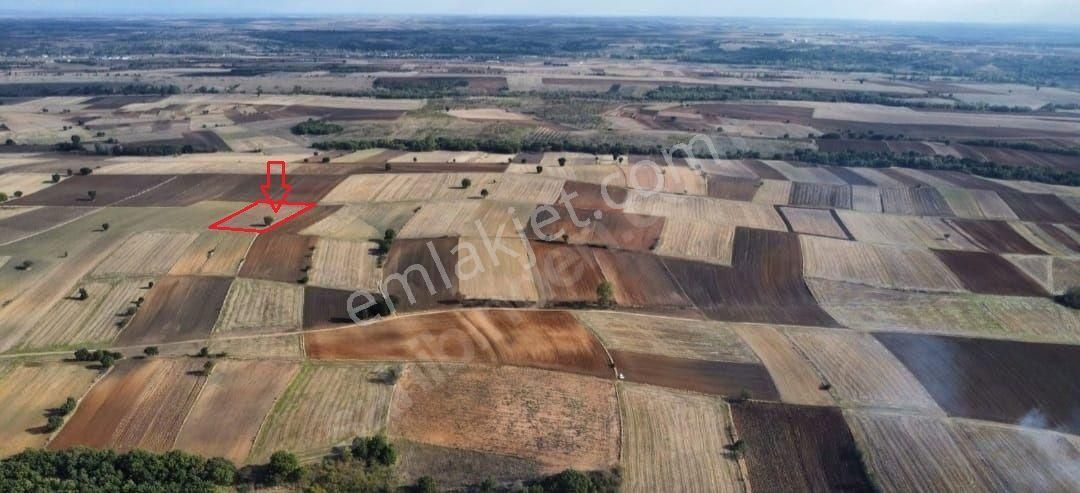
[[268, 191]]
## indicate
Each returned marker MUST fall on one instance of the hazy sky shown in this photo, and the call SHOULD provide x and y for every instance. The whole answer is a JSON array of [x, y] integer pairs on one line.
[[998, 11]]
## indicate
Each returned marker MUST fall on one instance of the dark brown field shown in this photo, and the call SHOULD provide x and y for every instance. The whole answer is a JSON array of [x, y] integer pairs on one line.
[[1016, 157], [589, 195], [109, 188], [763, 285], [710, 377], [565, 274], [1038, 207], [550, 340], [596, 228], [305, 188], [820, 195], [996, 236], [189, 189], [278, 257], [798, 448], [639, 280], [177, 308], [989, 273], [765, 112], [1061, 236], [849, 176], [763, 170], [28, 223], [1012, 382], [723, 187], [422, 273], [964, 180], [906, 179]]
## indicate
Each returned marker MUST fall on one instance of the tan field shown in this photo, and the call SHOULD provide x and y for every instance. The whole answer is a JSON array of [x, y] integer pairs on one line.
[[866, 199], [861, 371], [687, 339], [213, 253], [27, 183], [697, 240], [95, 320], [813, 222], [512, 187], [28, 390], [675, 441], [407, 187], [797, 381], [928, 232], [805, 174], [145, 254], [255, 306], [505, 274], [345, 265], [361, 222], [724, 211], [876, 265], [474, 218], [1014, 458], [323, 406], [450, 157], [773, 192]]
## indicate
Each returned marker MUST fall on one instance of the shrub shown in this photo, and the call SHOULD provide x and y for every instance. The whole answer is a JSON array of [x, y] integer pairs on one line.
[[3, 197], [313, 127], [1070, 298], [82, 294], [539, 169], [484, 193], [56, 177], [284, 467], [18, 193], [562, 161], [326, 159], [605, 294], [268, 220], [55, 421], [426, 484], [91, 194], [466, 183], [9, 142], [150, 351], [374, 451], [85, 171], [104, 226]]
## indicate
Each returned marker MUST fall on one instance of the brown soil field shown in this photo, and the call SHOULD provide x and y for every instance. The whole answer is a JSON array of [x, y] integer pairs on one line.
[[228, 250], [420, 278], [595, 228], [813, 222], [820, 195], [28, 390], [968, 181], [590, 196], [560, 420], [723, 187], [710, 377], [857, 145], [766, 112], [762, 170], [456, 468], [798, 448], [177, 308], [917, 201], [995, 236], [1004, 381], [565, 274], [696, 240], [279, 257], [1016, 157], [323, 406], [109, 188], [542, 339], [230, 409], [255, 306], [796, 380], [849, 176], [1034, 207], [192, 188], [895, 449], [305, 188], [139, 404], [324, 307], [876, 265], [500, 276], [861, 371], [1061, 235], [674, 441], [145, 254], [16, 227], [691, 339], [906, 180], [344, 264], [989, 273], [764, 285], [639, 280], [1046, 237]]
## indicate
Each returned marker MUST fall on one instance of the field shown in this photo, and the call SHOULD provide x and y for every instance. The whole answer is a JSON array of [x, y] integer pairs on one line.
[[565, 274], [798, 448], [883, 266], [723, 211], [813, 222], [324, 307], [996, 236], [675, 441], [708, 377], [595, 228], [177, 308], [28, 391], [559, 420], [344, 264], [639, 280], [696, 240], [230, 409], [424, 273], [496, 271], [278, 257], [254, 306], [796, 380], [324, 405], [925, 232], [473, 218], [145, 254], [1001, 381], [861, 371], [540, 339], [1034, 459], [988, 273], [832, 196], [453, 467], [97, 319], [139, 404], [109, 190], [213, 253], [656, 335], [361, 222]]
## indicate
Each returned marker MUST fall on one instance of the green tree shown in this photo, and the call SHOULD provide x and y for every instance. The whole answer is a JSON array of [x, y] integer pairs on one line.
[[75, 139], [466, 183], [605, 294], [426, 484], [569, 481], [56, 177], [104, 226], [268, 220], [68, 406], [539, 169], [107, 360], [562, 161], [150, 351], [284, 467], [3, 197], [91, 194], [484, 193]]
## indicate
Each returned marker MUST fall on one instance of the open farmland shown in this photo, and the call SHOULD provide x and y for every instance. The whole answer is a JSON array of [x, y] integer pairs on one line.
[[278, 257], [139, 404], [261, 306], [541, 339], [423, 273], [28, 390], [96, 319], [708, 377], [675, 440], [696, 240], [496, 271], [344, 265], [884, 266], [230, 409], [565, 274], [796, 380], [177, 308], [559, 420], [324, 405], [145, 254], [813, 222], [213, 253], [798, 448], [657, 335]]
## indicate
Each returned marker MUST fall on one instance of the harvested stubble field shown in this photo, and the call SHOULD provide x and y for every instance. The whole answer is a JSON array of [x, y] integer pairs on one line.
[[1018, 459], [658, 335], [927, 232], [883, 266], [560, 420], [230, 409], [473, 218], [610, 229], [861, 371], [139, 404], [824, 195], [709, 377], [995, 236], [763, 285], [1038, 207], [773, 192], [724, 187], [279, 257], [565, 274], [1005, 381], [805, 174], [989, 273], [72, 321], [499, 274], [362, 221], [405, 187], [213, 253], [345, 264], [190, 189], [696, 240], [675, 441], [592, 196], [816, 222], [798, 448], [323, 406], [551, 340], [1047, 238], [177, 308], [796, 380], [255, 306], [145, 254], [27, 183], [723, 211], [914, 201], [285, 346], [28, 390]]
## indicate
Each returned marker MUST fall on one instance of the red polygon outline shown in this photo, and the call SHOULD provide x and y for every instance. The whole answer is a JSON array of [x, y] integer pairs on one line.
[[219, 224]]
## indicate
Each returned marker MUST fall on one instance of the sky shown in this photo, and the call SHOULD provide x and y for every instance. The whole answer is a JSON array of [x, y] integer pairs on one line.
[[992, 11]]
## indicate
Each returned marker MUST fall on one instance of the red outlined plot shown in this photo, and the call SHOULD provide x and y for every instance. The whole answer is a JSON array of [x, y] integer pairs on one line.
[[274, 198]]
